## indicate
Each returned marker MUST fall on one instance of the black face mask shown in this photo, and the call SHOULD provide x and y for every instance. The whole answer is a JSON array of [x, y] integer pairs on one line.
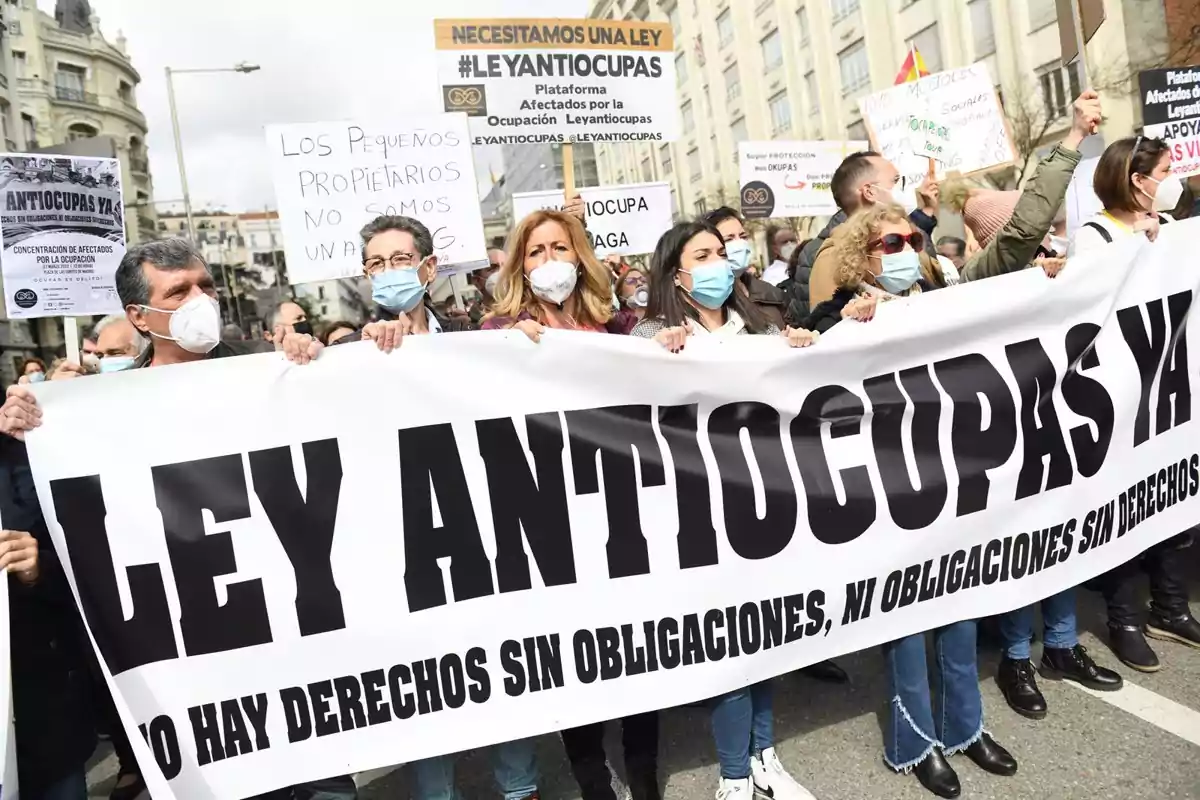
[[304, 328]]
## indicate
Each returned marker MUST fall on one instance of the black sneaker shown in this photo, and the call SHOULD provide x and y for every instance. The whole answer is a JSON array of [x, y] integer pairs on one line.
[[1130, 646], [1074, 664], [1182, 629], [1017, 683]]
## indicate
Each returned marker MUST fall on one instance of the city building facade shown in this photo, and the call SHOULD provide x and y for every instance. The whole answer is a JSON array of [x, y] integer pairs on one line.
[[71, 83], [538, 167], [752, 70]]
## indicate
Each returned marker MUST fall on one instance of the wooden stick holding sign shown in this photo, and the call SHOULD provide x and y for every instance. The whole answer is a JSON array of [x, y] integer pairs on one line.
[[71, 334], [568, 166]]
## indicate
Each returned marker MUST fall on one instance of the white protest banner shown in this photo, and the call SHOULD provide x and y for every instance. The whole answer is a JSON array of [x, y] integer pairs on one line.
[[621, 220], [961, 107], [331, 178], [1171, 111], [281, 593], [559, 80], [62, 233], [790, 179]]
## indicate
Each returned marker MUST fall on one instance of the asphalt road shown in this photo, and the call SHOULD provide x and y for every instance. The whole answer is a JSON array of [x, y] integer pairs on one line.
[[1142, 742]]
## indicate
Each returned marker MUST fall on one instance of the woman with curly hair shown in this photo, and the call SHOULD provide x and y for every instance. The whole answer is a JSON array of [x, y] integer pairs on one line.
[[552, 279], [881, 256]]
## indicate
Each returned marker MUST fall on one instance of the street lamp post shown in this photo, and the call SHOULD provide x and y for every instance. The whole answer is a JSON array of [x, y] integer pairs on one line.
[[243, 67]]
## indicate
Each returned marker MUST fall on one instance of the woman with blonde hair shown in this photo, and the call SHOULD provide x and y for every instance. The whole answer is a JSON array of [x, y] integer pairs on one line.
[[552, 279], [881, 256]]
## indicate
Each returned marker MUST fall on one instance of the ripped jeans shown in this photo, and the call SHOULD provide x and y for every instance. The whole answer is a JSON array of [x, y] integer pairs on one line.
[[911, 731]]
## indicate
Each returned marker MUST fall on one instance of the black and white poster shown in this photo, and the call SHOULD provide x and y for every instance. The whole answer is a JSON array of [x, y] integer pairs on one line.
[[62, 232]]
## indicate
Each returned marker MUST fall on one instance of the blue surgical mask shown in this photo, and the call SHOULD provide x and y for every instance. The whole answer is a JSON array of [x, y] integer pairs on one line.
[[398, 290], [115, 364], [712, 283], [37, 377], [900, 271], [739, 252]]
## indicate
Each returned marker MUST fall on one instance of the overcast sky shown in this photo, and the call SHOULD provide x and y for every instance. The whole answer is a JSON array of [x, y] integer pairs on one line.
[[320, 61]]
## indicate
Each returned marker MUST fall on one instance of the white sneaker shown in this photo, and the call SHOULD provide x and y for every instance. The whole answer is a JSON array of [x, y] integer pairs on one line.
[[742, 789], [771, 779]]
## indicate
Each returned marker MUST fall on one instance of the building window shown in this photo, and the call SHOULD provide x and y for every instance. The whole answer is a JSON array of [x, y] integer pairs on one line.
[[1042, 13], [30, 129], [929, 46], [689, 119], [125, 92], [814, 92], [725, 27], [802, 25], [664, 156], [18, 65], [673, 18], [1059, 87], [840, 9], [740, 134], [781, 113], [981, 27], [716, 154], [69, 82], [855, 69], [733, 84], [694, 165], [857, 132], [81, 130], [701, 207], [772, 50], [647, 170], [681, 69]]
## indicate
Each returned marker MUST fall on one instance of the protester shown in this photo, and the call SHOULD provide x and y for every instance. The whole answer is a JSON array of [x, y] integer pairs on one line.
[[551, 278], [882, 256], [88, 346], [33, 370], [862, 179], [692, 294], [633, 292], [336, 330], [484, 281], [1134, 182], [740, 249], [291, 317], [118, 343], [781, 243], [953, 248], [232, 333]]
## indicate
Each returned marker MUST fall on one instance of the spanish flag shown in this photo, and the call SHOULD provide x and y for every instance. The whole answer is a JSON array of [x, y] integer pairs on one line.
[[913, 67]]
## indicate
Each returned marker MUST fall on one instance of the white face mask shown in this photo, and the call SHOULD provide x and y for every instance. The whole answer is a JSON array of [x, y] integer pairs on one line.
[[785, 252], [905, 198], [1166, 193], [195, 326], [554, 281], [490, 284]]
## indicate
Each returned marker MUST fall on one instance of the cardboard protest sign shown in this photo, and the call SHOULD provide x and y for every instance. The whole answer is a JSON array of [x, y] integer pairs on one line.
[[958, 118], [62, 232], [790, 179], [621, 220], [331, 178], [559, 80], [1171, 111], [1082, 202]]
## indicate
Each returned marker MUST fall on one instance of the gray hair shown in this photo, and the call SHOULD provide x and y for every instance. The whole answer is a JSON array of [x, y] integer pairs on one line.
[[273, 317], [168, 254], [139, 340], [421, 236]]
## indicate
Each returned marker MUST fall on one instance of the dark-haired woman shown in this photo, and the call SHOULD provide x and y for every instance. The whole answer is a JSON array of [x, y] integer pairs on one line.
[[1134, 181], [691, 294]]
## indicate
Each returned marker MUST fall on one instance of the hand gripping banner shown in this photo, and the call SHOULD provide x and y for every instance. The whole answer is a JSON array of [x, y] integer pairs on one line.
[[292, 572]]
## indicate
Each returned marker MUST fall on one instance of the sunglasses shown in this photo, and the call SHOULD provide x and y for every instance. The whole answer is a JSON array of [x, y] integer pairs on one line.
[[894, 243]]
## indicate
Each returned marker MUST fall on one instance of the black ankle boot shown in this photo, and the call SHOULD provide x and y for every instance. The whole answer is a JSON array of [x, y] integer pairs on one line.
[[935, 774], [825, 671], [1019, 687], [991, 757], [1183, 629], [1130, 646], [1074, 664]]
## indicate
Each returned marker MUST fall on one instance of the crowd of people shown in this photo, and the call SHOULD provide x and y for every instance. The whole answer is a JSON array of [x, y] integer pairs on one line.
[[703, 280]]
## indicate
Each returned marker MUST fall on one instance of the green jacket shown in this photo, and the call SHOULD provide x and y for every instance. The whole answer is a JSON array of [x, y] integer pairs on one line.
[[1014, 247]]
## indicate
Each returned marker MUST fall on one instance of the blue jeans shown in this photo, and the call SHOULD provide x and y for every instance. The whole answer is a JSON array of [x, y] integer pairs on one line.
[[72, 787], [513, 764], [911, 732], [1058, 614], [742, 723]]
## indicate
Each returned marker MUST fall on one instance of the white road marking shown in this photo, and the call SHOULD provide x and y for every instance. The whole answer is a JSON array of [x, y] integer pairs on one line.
[[1160, 712]]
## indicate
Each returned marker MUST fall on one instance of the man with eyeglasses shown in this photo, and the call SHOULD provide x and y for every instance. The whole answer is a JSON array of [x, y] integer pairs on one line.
[[483, 280]]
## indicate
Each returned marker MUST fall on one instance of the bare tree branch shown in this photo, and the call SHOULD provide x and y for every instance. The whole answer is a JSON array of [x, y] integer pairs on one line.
[[1028, 124], [1118, 74]]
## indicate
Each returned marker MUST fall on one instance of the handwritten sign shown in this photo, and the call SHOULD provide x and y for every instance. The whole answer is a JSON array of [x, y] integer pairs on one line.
[[331, 178], [790, 179], [621, 220], [958, 114]]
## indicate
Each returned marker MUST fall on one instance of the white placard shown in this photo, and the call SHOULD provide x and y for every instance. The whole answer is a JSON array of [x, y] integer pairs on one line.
[[331, 178], [62, 232], [1171, 111], [961, 107], [790, 179], [621, 220], [1082, 202], [559, 80]]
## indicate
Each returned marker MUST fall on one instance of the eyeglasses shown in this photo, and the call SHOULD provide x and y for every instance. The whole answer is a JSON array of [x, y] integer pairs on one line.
[[398, 260], [894, 243], [634, 280]]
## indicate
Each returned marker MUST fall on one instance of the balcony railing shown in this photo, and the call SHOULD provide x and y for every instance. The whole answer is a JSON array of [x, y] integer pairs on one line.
[[3, 81], [72, 95], [141, 165], [27, 83]]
